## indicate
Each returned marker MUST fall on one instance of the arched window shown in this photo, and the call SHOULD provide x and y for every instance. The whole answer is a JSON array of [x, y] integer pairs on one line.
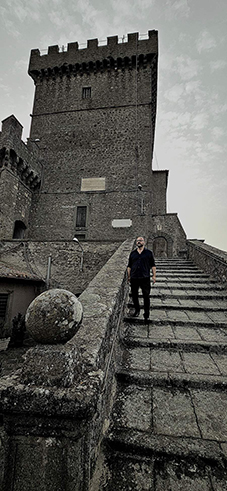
[[19, 230]]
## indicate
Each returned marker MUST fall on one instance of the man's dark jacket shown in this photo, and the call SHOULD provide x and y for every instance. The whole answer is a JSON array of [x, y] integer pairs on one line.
[[141, 264]]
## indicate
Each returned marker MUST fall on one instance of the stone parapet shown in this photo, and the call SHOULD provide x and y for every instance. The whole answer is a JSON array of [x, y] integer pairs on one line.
[[94, 57], [210, 259], [65, 422]]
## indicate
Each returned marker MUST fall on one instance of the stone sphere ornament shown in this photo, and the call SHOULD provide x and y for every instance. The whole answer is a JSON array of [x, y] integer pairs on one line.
[[54, 316]]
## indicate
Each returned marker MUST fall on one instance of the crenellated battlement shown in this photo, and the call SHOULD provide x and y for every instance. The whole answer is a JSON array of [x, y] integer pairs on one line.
[[15, 155], [20, 168], [114, 55]]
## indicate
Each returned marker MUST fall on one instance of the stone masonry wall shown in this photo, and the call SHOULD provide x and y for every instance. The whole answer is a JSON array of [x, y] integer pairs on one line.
[[169, 227], [20, 176], [160, 180], [16, 200], [90, 144], [210, 259], [10, 137], [66, 260]]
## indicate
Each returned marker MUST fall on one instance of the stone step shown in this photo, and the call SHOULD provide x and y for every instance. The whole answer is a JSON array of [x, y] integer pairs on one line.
[[180, 274], [128, 440], [185, 281], [186, 304], [172, 417], [181, 270], [145, 466], [201, 286], [171, 380], [178, 345], [186, 294], [168, 333], [141, 461], [175, 261], [174, 359], [171, 402], [180, 318]]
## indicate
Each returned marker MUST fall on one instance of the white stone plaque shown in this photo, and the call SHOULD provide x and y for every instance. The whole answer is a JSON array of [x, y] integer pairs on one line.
[[93, 184], [121, 223]]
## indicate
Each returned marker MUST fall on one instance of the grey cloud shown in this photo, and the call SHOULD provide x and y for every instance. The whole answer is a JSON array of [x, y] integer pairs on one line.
[[217, 65], [205, 42]]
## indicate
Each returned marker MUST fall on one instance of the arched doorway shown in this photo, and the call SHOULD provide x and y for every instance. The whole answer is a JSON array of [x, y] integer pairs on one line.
[[19, 230], [160, 247]]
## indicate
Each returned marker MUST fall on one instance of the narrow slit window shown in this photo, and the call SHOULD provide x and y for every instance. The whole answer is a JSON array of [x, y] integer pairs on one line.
[[81, 216], [86, 92]]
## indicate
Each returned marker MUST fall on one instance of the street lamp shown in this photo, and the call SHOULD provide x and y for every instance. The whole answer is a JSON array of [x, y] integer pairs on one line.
[[82, 252]]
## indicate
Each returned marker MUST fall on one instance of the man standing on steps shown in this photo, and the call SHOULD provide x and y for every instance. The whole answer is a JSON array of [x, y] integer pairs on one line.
[[141, 261]]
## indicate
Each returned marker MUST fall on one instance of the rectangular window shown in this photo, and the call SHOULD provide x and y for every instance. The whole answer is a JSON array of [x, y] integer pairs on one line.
[[81, 216], [86, 92], [3, 306]]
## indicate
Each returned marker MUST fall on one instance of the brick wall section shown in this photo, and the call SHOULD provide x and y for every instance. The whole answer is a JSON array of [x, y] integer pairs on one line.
[[66, 259], [210, 259]]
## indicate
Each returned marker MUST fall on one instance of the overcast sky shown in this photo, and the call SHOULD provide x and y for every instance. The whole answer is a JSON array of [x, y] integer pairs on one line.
[[191, 126]]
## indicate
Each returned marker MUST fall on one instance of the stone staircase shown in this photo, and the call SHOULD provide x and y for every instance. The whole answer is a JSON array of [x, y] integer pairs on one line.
[[169, 419]]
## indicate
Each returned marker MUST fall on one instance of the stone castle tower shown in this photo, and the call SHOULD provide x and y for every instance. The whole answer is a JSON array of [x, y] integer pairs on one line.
[[92, 134]]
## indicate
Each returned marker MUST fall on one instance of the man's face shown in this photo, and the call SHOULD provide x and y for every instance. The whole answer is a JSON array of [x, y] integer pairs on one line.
[[140, 241]]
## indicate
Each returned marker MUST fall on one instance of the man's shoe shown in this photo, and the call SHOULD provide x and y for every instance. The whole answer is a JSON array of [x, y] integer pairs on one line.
[[146, 319]]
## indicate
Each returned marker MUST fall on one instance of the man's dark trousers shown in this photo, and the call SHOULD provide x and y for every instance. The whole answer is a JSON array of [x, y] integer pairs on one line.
[[145, 285]]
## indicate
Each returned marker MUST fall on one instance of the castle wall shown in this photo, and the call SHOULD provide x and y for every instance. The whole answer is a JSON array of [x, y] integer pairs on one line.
[[20, 175], [87, 168], [106, 136], [8, 190]]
